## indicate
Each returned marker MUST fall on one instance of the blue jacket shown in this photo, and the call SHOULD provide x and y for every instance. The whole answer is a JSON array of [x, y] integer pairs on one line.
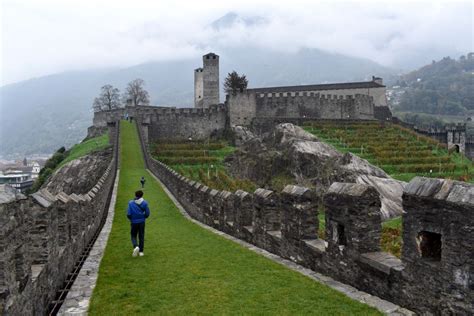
[[138, 211]]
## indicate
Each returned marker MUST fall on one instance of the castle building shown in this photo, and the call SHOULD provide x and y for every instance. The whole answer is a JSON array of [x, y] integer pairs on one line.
[[349, 100], [206, 82], [374, 88], [257, 108]]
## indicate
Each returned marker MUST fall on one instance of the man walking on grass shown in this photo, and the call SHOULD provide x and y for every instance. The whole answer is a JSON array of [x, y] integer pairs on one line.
[[137, 213]]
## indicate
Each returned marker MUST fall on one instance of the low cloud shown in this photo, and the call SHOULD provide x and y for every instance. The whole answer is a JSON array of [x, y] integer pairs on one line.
[[49, 36]]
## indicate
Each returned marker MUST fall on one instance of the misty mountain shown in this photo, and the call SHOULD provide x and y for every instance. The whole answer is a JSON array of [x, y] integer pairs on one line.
[[231, 19], [42, 114]]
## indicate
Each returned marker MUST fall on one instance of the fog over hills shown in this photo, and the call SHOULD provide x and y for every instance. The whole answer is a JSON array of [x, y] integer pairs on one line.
[[42, 114], [272, 45]]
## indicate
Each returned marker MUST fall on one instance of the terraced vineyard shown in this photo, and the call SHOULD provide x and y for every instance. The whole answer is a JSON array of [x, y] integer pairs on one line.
[[399, 151], [201, 161]]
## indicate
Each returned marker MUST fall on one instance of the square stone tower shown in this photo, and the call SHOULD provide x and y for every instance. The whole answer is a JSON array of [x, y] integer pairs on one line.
[[198, 88], [206, 82]]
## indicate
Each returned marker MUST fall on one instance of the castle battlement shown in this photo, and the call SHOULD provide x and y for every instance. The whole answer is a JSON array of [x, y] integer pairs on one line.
[[438, 217]]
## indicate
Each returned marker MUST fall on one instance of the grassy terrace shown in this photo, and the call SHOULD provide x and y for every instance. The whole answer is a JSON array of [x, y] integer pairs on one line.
[[189, 270], [398, 151], [201, 161]]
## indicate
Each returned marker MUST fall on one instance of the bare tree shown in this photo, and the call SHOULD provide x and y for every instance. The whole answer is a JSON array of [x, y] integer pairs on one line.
[[109, 99], [135, 94], [234, 83]]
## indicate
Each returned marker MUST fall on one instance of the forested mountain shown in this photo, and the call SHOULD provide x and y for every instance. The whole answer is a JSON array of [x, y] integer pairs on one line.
[[443, 87]]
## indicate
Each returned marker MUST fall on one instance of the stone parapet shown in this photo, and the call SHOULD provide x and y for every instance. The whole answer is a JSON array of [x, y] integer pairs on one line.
[[41, 239], [438, 280]]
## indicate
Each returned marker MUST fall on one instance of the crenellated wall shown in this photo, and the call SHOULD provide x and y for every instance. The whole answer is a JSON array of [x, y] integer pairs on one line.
[[285, 223], [169, 122], [41, 239], [249, 105]]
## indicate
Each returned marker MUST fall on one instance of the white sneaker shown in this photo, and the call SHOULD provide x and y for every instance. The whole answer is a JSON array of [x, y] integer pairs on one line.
[[141, 254], [135, 251]]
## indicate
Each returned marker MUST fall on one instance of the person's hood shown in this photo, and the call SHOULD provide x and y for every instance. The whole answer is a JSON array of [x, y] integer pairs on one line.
[[139, 201]]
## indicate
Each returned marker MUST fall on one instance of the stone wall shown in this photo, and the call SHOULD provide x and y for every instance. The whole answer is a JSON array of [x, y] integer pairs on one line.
[[285, 223], [246, 106], [169, 122], [41, 239], [185, 123]]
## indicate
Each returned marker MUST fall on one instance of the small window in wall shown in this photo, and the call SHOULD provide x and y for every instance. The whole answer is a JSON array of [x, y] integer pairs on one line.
[[20, 273], [341, 236], [429, 245]]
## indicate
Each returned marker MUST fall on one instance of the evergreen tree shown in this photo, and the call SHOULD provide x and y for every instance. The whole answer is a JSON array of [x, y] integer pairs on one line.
[[235, 83]]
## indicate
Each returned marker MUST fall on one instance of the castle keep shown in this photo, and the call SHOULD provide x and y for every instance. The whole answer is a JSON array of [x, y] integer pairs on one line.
[[206, 82]]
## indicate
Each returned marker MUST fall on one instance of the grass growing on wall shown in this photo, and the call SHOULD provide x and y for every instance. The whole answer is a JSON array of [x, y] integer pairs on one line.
[[201, 161], [86, 147], [188, 270]]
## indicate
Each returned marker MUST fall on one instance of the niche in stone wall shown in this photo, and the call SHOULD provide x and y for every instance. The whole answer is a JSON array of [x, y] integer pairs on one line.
[[21, 276], [429, 245], [341, 235], [338, 233]]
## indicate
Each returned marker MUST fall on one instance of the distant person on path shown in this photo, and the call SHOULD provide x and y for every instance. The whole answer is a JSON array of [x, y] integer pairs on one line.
[[126, 116], [137, 213], [142, 181]]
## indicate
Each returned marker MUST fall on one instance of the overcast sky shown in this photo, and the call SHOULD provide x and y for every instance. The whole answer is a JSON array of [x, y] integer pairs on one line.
[[41, 37]]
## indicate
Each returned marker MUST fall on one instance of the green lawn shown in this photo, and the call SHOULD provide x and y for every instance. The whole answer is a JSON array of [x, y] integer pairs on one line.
[[189, 270], [86, 147]]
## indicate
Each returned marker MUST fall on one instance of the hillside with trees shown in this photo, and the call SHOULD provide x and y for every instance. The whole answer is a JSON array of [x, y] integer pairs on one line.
[[444, 87]]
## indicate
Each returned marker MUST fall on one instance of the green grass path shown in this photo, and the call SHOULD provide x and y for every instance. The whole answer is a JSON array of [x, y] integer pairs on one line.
[[189, 270]]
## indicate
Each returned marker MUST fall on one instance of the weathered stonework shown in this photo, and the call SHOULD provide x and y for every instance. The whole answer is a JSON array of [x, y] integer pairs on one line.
[[249, 105], [159, 123], [285, 224], [42, 238]]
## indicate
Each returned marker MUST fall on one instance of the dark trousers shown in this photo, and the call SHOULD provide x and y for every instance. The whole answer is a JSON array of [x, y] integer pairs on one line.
[[138, 229]]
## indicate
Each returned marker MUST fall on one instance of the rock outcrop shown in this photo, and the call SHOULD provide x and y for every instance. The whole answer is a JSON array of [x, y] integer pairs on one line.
[[80, 175], [291, 150], [9, 194]]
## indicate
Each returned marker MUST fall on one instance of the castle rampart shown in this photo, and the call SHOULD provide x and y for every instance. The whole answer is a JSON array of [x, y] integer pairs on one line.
[[169, 122], [42, 239], [246, 106], [434, 274]]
